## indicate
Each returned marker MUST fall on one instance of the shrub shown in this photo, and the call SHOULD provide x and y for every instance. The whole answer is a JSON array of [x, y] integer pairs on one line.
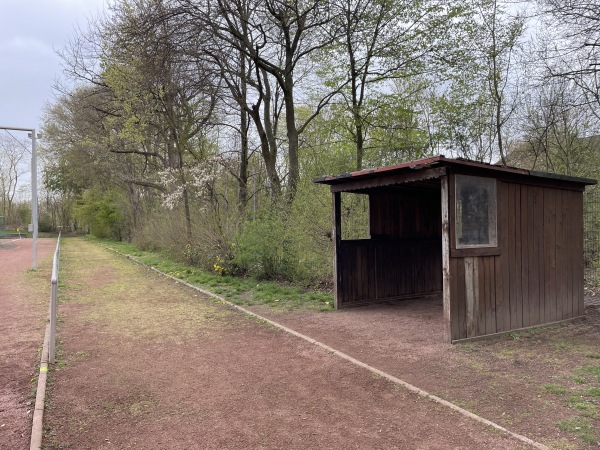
[[103, 212], [266, 249]]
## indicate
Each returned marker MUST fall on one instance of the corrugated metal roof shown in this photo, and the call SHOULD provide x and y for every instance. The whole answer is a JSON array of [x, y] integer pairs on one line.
[[440, 160]]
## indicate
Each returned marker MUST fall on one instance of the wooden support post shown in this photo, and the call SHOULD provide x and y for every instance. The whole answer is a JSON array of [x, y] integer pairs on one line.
[[446, 275], [472, 296], [337, 237]]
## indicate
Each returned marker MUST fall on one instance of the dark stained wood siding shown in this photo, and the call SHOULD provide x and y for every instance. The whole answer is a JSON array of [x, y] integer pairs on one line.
[[532, 277], [538, 276], [403, 258], [379, 270], [405, 214]]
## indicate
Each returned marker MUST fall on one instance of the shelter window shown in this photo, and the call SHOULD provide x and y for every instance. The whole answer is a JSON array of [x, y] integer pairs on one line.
[[355, 216], [475, 212]]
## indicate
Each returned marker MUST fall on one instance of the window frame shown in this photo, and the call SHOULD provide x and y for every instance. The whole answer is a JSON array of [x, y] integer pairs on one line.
[[465, 250]]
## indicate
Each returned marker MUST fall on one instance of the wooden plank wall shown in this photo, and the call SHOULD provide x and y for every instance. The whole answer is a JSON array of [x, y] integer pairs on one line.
[[406, 213], [404, 256], [538, 276], [378, 270]]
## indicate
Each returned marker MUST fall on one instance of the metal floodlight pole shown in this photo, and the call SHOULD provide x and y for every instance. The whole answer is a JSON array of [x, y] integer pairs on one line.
[[34, 192], [34, 195]]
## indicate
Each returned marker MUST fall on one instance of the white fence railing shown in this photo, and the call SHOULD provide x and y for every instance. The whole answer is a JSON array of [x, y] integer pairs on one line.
[[53, 303], [48, 356]]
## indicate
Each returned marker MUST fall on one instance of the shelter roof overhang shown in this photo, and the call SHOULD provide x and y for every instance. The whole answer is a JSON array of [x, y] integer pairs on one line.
[[427, 171]]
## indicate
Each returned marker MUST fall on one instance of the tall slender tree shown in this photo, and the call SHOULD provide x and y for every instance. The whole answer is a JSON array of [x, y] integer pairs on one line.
[[279, 37], [381, 42]]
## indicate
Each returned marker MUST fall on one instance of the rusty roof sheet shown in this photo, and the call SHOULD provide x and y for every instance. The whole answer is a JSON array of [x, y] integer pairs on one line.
[[440, 160]]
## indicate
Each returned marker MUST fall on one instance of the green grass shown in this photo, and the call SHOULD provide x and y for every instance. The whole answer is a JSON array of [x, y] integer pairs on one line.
[[583, 406], [554, 389], [583, 400], [581, 428], [22, 231], [238, 290], [593, 392], [514, 335], [593, 371], [533, 332]]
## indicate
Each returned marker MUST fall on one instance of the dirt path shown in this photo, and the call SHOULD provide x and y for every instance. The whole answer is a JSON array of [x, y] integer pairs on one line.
[[23, 311], [512, 382], [147, 363]]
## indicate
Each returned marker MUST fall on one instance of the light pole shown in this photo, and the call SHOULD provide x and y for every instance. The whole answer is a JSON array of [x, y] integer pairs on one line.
[[34, 193]]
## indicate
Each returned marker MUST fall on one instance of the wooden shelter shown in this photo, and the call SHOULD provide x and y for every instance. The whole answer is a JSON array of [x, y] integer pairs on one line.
[[502, 246]]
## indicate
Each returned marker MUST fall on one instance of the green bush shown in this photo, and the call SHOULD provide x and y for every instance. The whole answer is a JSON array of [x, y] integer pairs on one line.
[[165, 231], [266, 249], [310, 225], [103, 212], [45, 223]]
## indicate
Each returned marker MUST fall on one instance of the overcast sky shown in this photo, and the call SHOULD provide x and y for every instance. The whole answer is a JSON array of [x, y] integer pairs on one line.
[[31, 31]]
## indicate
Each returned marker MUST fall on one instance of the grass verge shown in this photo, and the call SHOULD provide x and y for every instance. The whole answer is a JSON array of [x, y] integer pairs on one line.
[[583, 400], [556, 371], [238, 290]]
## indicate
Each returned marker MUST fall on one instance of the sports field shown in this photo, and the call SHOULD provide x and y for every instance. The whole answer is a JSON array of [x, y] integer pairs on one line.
[[23, 304], [145, 362]]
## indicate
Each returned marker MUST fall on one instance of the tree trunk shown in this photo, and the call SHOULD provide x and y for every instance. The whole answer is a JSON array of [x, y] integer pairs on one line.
[[188, 216], [270, 150], [243, 175], [292, 135], [360, 142]]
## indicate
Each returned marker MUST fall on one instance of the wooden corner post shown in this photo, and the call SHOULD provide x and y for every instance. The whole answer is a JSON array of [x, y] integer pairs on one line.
[[336, 237], [447, 300]]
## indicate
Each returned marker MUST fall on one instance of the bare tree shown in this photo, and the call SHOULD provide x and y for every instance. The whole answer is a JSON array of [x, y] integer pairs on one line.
[[279, 37], [12, 154], [559, 134], [572, 47], [251, 91], [500, 37], [382, 41]]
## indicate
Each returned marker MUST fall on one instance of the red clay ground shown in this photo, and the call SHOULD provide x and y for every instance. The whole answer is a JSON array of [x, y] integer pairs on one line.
[[510, 381], [147, 363], [23, 305]]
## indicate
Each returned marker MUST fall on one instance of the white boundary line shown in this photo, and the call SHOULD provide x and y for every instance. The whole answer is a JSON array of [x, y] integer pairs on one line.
[[350, 359]]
